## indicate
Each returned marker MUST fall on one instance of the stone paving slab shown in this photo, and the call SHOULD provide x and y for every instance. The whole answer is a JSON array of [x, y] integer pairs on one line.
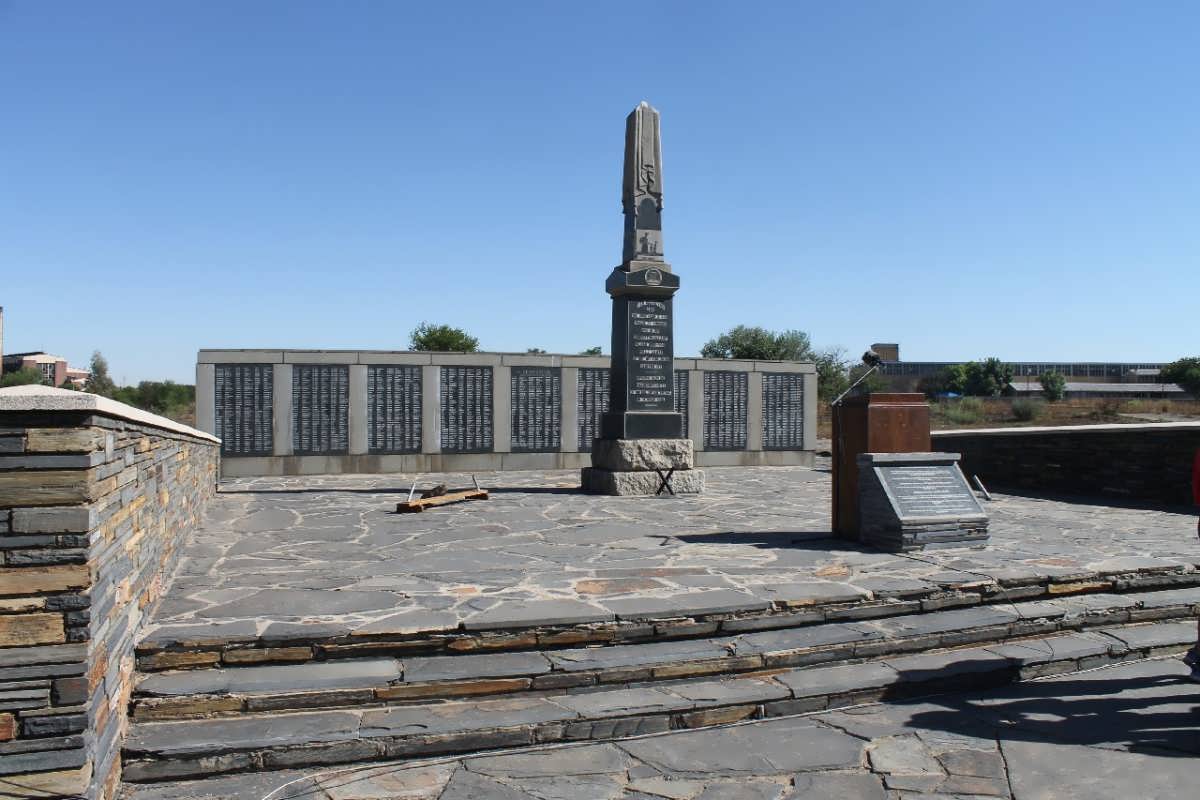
[[325, 556], [1111, 734]]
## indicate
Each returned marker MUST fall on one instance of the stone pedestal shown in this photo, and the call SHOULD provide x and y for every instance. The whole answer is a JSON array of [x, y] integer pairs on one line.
[[632, 467]]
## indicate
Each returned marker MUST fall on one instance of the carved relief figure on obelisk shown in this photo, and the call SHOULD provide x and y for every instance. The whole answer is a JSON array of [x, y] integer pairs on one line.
[[641, 189]]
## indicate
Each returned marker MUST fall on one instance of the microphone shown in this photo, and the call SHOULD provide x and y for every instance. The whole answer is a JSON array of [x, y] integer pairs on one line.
[[872, 360]]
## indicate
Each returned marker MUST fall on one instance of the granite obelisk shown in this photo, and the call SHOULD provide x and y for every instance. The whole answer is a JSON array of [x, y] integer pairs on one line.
[[641, 437]]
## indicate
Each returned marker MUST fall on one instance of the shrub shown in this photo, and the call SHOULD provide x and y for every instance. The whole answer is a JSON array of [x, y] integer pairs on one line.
[[988, 378], [761, 344], [1185, 373], [964, 411], [22, 377], [1054, 386], [1026, 409], [442, 338]]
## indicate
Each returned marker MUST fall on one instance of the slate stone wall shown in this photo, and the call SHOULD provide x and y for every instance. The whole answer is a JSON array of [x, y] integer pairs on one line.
[[92, 508], [1140, 463]]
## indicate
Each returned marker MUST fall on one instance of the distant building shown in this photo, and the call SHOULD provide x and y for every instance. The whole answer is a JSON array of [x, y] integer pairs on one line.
[[1084, 378], [54, 369]]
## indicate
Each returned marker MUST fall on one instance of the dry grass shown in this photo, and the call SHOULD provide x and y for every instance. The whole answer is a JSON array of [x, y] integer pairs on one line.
[[998, 413]]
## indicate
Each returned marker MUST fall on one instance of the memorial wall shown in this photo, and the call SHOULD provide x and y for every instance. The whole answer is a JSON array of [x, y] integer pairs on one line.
[[291, 412]]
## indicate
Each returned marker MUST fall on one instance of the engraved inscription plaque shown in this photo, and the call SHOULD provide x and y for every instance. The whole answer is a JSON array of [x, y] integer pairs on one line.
[[725, 410], [908, 501], [681, 397], [320, 409], [650, 348], [929, 491], [466, 406], [393, 409], [243, 405], [592, 404], [536, 402], [783, 411]]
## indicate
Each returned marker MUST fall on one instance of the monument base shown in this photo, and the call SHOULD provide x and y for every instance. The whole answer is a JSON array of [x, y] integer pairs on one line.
[[638, 467], [642, 455], [912, 501], [630, 483]]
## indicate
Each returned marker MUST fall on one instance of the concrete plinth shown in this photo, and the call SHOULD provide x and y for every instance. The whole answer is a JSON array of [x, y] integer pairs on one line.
[[629, 482]]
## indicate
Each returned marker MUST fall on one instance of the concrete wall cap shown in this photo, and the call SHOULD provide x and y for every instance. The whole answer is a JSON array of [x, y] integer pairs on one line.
[[46, 399], [906, 459]]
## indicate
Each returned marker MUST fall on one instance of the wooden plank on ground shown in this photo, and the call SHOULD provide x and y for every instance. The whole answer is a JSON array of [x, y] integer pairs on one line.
[[420, 504]]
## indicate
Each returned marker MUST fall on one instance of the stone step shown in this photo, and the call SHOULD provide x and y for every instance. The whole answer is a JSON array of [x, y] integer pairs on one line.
[[363, 682], [518, 625], [169, 750]]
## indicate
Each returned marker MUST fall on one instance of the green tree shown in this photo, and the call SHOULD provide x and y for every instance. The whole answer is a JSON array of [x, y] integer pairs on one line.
[[874, 382], [832, 373], [1184, 373], [760, 344], [951, 379], [157, 396], [591, 351], [442, 338], [1054, 385], [988, 378], [100, 383], [536, 351], [23, 377]]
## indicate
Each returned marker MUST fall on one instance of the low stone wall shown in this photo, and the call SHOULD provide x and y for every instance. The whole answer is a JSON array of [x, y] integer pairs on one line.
[[94, 498], [1149, 463]]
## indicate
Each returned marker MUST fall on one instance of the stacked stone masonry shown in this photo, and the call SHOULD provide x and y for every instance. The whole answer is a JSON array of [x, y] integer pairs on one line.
[[433, 412], [92, 507], [1140, 463]]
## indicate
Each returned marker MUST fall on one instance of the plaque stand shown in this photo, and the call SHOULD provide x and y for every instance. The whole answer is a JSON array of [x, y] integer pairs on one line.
[[914, 501], [871, 423]]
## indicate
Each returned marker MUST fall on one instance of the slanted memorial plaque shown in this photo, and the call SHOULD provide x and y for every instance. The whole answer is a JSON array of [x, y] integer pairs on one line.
[[393, 409], [592, 402], [783, 411], [725, 410], [536, 402], [912, 500], [243, 406], [466, 406], [320, 409]]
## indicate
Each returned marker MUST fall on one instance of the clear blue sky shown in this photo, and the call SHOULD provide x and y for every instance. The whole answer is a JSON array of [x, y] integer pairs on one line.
[[968, 179]]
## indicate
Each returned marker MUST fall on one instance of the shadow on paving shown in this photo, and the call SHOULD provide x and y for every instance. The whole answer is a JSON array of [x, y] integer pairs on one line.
[[1154, 711], [1086, 499], [823, 541]]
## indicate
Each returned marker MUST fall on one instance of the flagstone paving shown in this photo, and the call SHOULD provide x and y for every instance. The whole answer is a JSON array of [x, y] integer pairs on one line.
[[325, 555], [1125, 731]]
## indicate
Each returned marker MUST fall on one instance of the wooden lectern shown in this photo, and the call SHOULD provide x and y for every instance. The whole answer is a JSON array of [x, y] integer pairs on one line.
[[871, 423]]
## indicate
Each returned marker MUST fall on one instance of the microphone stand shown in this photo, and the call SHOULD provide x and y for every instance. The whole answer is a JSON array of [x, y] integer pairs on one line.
[[854, 386], [836, 405]]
